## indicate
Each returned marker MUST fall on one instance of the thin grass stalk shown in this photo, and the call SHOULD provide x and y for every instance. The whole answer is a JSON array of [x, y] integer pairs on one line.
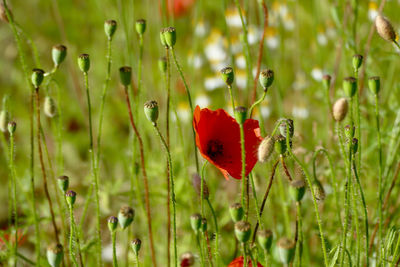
[[72, 235], [356, 223], [299, 242], [14, 196], [253, 187]]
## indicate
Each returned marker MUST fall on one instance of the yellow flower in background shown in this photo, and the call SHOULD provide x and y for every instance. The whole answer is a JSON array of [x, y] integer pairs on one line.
[[372, 10], [271, 38]]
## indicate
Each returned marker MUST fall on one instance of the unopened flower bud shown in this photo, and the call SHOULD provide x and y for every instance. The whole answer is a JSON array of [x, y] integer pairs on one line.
[[264, 238], [54, 255], [195, 222], [84, 62], [58, 54], [319, 191], [297, 189], [151, 110], [286, 249], [50, 109], [357, 61], [125, 75], [112, 223], [265, 149], [169, 36], [37, 77], [71, 197], [243, 231], [12, 126], [4, 120], [228, 75], [110, 26], [340, 109], [280, 145], [125, 216], [354, 145], [385, 28], [136, 245], [140, 26], [187, 259], [350, 86], [349, 132], [374, 84], [236, 211], [240, 114], [162, 64], [162, 38], [283, 127], [63, 183], [266, 78], [326, 80]]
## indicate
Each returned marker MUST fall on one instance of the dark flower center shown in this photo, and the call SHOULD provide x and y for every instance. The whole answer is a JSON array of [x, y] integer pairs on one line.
[[215, 149]]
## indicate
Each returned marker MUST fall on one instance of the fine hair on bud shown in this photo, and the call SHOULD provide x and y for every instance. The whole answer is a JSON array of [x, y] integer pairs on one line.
[[385, 28], [340, 108], [151, 110], [286, 249], [240, 114], [243, 231], [125, 216], [265, 149], [236, 211], [266, 78], [283, 127], [169, 36]]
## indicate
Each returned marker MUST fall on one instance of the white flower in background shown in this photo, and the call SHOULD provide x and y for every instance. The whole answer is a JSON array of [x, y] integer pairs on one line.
[[240, 61], [321, 37], [265, 110], [236, 44], [200, 30], [213, 82], [183, 111], [300, 112], [288, 22], [233, 18], [195, 60], [241, 79], [202, 101], [253, 35], [331, 31], [271, 38], [300, 82], [215, 50], [107, 252], [317, 74], [372, 10]]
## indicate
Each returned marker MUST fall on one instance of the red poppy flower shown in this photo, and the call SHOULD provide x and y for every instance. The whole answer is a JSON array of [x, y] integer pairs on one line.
[[218, 139], [238, 262], [179, 7]]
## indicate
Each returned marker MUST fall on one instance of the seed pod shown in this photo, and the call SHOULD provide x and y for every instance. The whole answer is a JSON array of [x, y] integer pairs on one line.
[[265, 149], [240, 114], [54, 255], [243, 231], [228, 76], [286, 249], [125, 75], [264, 238], [136, 245], [326, 80], [283, 128], [266, 78], [354, 145], [71, 197], [318, 190], [385, 28], [195, 222], [63, 183], [58, 54], [357, 61], [12, 126], [297, 189], [112, 223], [187, 259], [280, 145], [236, 211], [84, 62], [37, 77], [110, 26], [374, 84], [151, 110], [4, 120], [170, 36], [203, 227], [162, 38], [50, 109], [196, 181], [140, 26], [340, 109], [162, 64], [350, 86], [125, 216]]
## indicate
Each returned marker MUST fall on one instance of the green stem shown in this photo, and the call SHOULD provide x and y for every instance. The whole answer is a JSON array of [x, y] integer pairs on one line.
[[253, 188], [200, 249], [300, 234], [245, 264], [242, 144], [216, 231], [114, 237], [140, 65], [356, 223], [72, 235], [202, 189], [257, 103], [172, 191], [137, 260], [380, 178], [14, 197], [231, 95]]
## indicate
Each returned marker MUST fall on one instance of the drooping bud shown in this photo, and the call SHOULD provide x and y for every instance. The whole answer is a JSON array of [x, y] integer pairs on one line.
[[63, 183], [354, 145], [71, 197], [266, 78], [84, 62], [169, 36], [187, 259], [110, 26], [286, 249], [49, 107], [340, 109], [265, 149], [283, 127], [240, 114], [136, 244], [12, 126], [297, 189], [140, 26], [242, 231], [162, 64], [125, 75], [280, 145], [112, 223], [55, 255], [195, 222], [385, 28], [350, 86], [326, 80], [4, 120], [58, 54], [151, 110], [196, 181], [125, 216], [37, 77], [318, 190], [357, 61], [374, 84], [236, 211], [264, 238], [228, 76]]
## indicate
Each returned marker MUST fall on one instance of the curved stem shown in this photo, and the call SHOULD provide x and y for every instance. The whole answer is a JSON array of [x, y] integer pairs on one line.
[[257, 102], [216, 231]]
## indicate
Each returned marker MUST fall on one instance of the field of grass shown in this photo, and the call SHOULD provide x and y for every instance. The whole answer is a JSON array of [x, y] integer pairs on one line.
[[199, 133]]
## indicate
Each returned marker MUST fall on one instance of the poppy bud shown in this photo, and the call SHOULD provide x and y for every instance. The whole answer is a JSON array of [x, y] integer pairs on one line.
[[151, 110], [58, 54], [264, 238], [169, 36], [243, 231], [4, 119], [228, 75], [112, 223], [280, 145], [349, 131], [71, 197], [37, 77], [162, 38], [135, 245], [196, 181], [110, 26], [50, 109], [357, 61], [266, 78], [84, 62], [12, 126], [125, 216], [187, 259], [3, 13], [140, 26], [350, 86], [283, 128], [374, 84], [319, 191], [236, 211], [326, 80], [63, 183], [125, 75], [385, 28], [203, 227], [265, 149], [286, 249], [340, 109], [195, 222], [297, 189], [354, 145], [162, 64], [240, 114], [55, 255]]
